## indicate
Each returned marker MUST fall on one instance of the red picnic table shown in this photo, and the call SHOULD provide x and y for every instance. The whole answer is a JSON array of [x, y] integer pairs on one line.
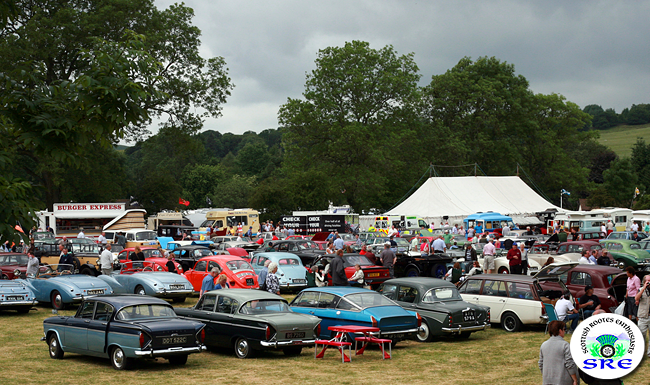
[[342, 330]]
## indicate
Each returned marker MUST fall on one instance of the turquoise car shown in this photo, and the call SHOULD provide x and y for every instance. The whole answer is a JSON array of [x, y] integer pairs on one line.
[[627, 253], [291, 273], [15, 295]]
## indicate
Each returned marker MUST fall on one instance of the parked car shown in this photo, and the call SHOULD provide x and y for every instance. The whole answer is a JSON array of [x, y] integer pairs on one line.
[[189, 254], [540, 254], [626, 235], [291, 273], [227, 246], [597, 276], [239, 272], [442, 309], [229, 314], [136, 237], [85, 254], [16, 295], [373, 275], [151, 254], [627, 253], [619, 284], [587, 235], [144, 278], [515, 300], [432, 265], [645, 245], [579, 246], [123, 328], [14, 265], [345, 305], [64, 288]]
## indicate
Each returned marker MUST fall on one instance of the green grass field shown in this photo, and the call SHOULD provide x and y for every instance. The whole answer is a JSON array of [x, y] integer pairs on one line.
[[491, 357], [621, 139]]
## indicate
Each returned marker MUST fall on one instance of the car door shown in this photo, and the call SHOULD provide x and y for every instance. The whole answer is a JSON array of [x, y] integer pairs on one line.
[[98, 326], [195, 276], [470, 291], [204, 311], [494, 295], [522, 302], [577, 282], [76, 331], [224, 309], [407, 296]]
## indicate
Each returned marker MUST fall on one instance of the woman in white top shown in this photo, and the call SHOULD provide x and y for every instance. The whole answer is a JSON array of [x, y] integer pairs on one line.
[[357, 277], [318, 276], [330, 248]]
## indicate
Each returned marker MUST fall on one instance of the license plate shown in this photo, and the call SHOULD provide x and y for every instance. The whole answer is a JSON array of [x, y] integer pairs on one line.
[[174, 340], [299, 281], [177, 287], [373, 275], [15, 297], [296, 335], [249, 281], [468, 315], [151, 243], [95, 292]]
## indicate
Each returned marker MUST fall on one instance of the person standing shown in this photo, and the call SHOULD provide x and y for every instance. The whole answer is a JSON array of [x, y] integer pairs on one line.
[[555, 360], [120, 240], [646, 229], [514, 259], [358, 241], [447, 237], [388, 259], [137, 255], [102, 239], [415, 242], [81, 233], [106, 260], [261, 278], [208, 281], [438, 245], [32, 264], [222, 283], [610, 227], [338, 243], [470, 256], [424, 247], [337, 270], [635, 226], [272, 283], [470, 233], [643, 302], [171, 267], [488, 258], [633, 286], [524, 258]]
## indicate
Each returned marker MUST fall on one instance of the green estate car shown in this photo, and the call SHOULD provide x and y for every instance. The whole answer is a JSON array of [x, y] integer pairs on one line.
[[627, 253]]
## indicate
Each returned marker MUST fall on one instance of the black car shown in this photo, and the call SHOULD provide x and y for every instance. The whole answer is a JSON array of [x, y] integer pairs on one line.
[[306, 250], [188, 255], [122, 328], [432, 265]]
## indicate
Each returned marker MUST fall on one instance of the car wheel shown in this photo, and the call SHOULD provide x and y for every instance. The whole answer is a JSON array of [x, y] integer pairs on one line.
[[3, 276], [54, 347], [243, 348], [424, 332], [503, 270], [178, 360], [119, 359], [510, 322], [438, 271], [412, 272], [292, 351], [76, 263], [86, 271], [464, 335], [57, 300], [140, 290]]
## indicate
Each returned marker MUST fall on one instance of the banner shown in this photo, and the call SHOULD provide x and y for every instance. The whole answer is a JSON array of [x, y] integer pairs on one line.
[[182, 201]]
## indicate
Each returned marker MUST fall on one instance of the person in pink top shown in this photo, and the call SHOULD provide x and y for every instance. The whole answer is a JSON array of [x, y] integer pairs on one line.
[[488, 257], [633, 286]]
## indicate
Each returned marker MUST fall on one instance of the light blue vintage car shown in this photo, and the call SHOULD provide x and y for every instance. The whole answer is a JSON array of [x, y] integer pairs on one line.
[[291, 273], [142, 277], [16, 295], [61, 288]]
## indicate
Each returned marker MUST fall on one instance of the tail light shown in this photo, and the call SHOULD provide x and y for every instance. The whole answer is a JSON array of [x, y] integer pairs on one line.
[[374, 321], [318, 330], [543, 309], [419, 319], [203, 335], [141, 340], [450, 320], [268, 332], [489, 317]]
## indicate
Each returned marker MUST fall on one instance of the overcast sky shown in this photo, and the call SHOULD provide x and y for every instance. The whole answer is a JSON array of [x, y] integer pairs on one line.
[[592, 52]]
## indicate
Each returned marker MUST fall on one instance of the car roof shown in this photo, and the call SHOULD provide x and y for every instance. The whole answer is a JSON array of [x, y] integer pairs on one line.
[[221, 258], [244, 295], [191, 247], [121, 300], [421, 282], [600, 268], [504, 277], [340, 290], [277, 255], [621, 241], [583, 242]]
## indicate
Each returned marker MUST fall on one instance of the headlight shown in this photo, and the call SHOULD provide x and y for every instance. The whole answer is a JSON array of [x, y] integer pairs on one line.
[[159, 268], [16, 273]]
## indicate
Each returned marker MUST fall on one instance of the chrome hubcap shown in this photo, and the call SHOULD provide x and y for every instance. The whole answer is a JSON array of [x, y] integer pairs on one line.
[[423, 332], [118, 357], [53, 346], [242, 348], [57, 300]]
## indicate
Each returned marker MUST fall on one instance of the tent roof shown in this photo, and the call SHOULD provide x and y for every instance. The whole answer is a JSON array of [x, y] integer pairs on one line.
[[461, 196]]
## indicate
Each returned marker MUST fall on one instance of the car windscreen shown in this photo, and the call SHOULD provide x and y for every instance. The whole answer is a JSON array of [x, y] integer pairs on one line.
[[634, 246], [16, 259], [364, 300], [85, 248], [441, 294], [351, 260], [401, 242], [307, 245], [145, 236], [145, 311], [265, 306], [235, 265]]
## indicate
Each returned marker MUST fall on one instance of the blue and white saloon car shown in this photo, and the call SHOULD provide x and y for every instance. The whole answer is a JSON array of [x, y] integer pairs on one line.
[[123, 328]]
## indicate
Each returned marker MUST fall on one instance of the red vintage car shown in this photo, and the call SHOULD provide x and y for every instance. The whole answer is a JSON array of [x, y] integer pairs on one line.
[[321, 239], [239, 272], [151, 254], [10, 262], [373, 275]]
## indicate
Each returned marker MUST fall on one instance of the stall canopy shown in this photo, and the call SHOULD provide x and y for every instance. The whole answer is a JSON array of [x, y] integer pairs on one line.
[[457, 197]]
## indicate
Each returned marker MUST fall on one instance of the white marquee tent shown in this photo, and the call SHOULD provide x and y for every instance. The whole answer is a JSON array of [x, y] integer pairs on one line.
[[457, 197]]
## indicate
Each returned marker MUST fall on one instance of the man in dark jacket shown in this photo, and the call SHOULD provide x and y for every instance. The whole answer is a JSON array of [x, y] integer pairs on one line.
[[337, 270], [388, 259], [470, 257]]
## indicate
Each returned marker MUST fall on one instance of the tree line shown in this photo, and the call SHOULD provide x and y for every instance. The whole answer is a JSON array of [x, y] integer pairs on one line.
[[363, 133]]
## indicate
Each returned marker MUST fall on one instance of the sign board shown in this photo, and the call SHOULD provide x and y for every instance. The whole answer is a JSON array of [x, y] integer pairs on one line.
[[312, 224]]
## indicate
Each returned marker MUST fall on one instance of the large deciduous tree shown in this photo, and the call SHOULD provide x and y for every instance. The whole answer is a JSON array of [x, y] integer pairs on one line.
[[354, 131]]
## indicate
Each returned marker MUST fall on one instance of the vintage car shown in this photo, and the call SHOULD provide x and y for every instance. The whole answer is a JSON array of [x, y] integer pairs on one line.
[[626, 235], [189, 254], [345, 305], [502, 264], [403, 246], [85, 254], [540, 254], [14, 265], [252, 320], [432, 265], [137, 237], [588, 235], [627, 253], [645, 245], [151, 254], [297, 246], [291, 273], [223, 238], [16, 295], [144, 278], [239, 272], [515, 300], [597, 276], [123, 328], [373, 275], [321, 239], [618, 287], [61, 288], [228, 245], [442, 309]]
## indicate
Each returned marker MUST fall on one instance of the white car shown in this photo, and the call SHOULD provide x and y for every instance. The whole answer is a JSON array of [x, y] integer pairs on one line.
[[515, 300]]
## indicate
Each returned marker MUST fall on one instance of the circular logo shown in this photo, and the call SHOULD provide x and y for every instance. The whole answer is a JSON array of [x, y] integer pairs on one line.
[[607, 346]]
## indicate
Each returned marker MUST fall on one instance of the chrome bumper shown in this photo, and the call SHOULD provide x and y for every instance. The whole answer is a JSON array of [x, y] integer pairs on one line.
[[170, 351], [19, 303], [275, 344], [466, 328], [391, 332], [174, 292]]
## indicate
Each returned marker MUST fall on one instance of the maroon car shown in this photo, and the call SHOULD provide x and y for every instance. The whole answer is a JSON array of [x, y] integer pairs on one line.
[[578, 247], [10, 262], [373, 275], [599, 277]]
